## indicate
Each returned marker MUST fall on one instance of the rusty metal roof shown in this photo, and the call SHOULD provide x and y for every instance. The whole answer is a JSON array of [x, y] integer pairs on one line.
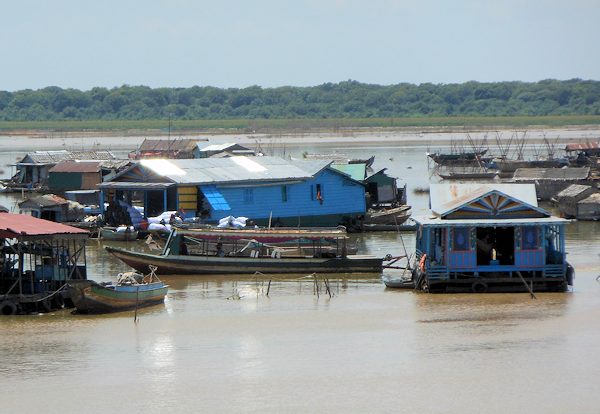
[[21, 225], [46, 200], [582, 146], [172, 145], [73, 166]]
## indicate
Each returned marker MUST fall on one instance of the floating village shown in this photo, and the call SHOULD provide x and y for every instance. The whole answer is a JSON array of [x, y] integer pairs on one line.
[[196, 208]]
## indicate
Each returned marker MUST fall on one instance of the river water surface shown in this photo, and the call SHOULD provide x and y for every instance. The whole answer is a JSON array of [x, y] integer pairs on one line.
[[219, 344]]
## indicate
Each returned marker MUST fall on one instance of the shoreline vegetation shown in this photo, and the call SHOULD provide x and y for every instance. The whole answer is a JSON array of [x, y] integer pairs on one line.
[[177, 127]]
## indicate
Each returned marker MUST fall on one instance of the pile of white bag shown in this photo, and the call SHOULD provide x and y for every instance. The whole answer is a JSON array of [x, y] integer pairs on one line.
[[232, 222]]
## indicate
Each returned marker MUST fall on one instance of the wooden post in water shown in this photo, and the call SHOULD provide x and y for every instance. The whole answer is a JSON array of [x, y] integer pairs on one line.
[[268, 287], [137, 297], [327, 288], [530, 289]]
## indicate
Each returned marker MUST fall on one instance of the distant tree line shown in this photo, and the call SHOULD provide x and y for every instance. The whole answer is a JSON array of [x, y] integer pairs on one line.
[[348, 99]]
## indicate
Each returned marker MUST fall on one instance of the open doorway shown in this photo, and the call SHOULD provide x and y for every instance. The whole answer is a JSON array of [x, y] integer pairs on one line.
[[495, 242]]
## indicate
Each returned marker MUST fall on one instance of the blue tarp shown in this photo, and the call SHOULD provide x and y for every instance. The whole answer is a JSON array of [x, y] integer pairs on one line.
[[215, 198]]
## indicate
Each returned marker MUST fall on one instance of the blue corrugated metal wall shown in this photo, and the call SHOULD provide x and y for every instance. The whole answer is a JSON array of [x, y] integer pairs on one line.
[[340, 196]]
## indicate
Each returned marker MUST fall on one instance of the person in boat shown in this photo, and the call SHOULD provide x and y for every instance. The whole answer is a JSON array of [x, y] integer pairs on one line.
[[485, 246], [220, 251]]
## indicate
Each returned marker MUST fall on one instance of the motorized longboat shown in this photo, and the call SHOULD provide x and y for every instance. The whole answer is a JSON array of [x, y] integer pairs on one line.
[[196, 251]]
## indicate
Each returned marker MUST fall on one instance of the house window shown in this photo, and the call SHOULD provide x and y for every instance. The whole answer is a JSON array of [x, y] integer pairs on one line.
[[461, 240], [529, 238], [319, 193], [249, 195], [284, 193]]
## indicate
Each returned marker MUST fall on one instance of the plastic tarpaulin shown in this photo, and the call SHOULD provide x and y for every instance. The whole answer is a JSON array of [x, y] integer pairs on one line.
[[215, 198]]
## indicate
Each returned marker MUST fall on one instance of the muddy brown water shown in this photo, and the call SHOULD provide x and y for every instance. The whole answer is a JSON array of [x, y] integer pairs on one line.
[[221, 345]]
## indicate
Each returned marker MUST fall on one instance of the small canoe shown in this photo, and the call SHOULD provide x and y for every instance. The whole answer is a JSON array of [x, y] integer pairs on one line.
[[112, 233], [132, 290], [398, 283]]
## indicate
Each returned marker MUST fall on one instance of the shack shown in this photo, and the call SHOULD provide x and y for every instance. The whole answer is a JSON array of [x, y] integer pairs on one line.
[[589, 208], [223, 150], [53, 208], [550, 181], [568, 199], [165, 148], [37, 260], [75, 175], [489, 238], [34, 169], [264, 189]]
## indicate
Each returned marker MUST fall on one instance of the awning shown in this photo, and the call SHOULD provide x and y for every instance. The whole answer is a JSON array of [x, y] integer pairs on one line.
[[215, 198], [120, 185]]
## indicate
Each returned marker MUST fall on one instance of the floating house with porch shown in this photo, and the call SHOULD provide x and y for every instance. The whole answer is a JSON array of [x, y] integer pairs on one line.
[[34, 169], [37, 260], [264, 189], [489, 238]]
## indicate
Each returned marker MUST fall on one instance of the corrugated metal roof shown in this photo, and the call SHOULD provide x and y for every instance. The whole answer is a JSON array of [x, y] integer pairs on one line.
[[556, 174], [583, 146], [357, 172], [445, 197], [433, 221], [217, 147], [592, 199], [134, 185], [232, 169], [574, 190], [46, 200], [53, 157], [166, 145], [18, 225], [73, 166]]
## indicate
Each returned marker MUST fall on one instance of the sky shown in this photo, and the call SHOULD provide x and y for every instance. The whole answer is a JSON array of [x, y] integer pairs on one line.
[[239, 43]]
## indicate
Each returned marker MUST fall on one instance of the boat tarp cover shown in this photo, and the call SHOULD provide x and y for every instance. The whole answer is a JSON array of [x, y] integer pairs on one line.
[[215, 198]]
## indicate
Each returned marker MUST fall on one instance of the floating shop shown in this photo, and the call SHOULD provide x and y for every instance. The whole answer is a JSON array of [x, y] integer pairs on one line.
[[489, 238]]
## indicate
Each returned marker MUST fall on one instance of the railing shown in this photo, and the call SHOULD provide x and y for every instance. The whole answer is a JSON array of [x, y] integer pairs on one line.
[[557, 270]]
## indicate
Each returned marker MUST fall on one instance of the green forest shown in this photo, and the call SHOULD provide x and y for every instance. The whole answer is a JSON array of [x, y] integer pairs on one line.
[[348, 99]]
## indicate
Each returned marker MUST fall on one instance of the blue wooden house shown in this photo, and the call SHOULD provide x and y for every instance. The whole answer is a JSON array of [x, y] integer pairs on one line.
[[284, 192], [489, 237]]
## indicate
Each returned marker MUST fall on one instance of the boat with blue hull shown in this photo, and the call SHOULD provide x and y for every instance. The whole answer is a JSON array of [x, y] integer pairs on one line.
[[132, 290]]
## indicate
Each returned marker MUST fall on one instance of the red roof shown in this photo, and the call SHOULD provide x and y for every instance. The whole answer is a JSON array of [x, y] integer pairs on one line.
[[583, 146], [14, 225], [71, 166]]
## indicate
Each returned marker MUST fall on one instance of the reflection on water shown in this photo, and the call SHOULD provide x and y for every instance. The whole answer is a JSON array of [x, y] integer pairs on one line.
[[220, 344]]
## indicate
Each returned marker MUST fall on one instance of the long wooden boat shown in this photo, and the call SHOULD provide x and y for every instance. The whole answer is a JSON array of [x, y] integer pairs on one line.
[[169, 264], [131, 291], [468, 175], [188, 252], [111, 233]]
